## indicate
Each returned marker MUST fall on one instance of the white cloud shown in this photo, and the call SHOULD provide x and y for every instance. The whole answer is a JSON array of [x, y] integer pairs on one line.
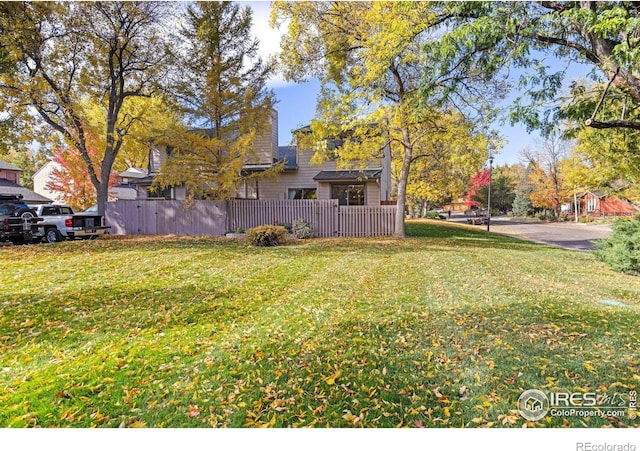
[[269, 37]]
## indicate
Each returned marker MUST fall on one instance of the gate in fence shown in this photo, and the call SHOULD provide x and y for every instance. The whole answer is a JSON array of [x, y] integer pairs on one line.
[[215, 218]]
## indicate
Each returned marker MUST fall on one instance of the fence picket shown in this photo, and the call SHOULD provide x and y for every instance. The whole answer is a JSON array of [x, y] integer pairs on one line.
[[215, 218]]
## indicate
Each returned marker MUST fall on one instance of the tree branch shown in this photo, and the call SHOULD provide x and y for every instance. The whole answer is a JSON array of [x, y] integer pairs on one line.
[[604, 94], [612, 124]]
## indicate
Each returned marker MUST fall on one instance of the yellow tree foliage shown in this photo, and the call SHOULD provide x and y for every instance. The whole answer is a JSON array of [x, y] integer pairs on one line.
[[150, 117], [207, 166], [549, 185], [370, 60]]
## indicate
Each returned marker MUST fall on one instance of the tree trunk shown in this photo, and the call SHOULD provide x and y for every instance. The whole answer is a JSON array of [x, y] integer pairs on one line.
[[402, 188], [102, 195]]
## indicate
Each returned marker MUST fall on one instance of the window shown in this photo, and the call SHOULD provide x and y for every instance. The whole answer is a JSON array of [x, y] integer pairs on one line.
[[159, 193], [12, 177], [248, 190], [591, 205], [7, 209], [302, 193], [349, 194]]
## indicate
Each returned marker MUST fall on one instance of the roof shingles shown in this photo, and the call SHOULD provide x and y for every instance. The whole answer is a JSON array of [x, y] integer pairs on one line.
[[348, 176]]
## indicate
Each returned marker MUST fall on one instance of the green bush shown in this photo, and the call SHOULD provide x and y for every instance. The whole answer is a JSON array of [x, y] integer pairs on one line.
[[267, 235], [302, 229], [621, 251], [286, 225], [432, 214]]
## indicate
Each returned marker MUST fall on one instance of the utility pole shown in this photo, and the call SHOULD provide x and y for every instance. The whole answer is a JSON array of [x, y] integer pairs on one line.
[[489, 194]]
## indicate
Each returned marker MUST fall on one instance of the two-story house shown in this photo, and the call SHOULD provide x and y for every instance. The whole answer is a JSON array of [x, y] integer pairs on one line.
[[300, 179]]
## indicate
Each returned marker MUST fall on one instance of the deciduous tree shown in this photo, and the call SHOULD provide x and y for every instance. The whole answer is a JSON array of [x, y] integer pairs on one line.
[[66, 51], [490, 36], [370, 60], [550, 189], [71, 179], [222, 90]]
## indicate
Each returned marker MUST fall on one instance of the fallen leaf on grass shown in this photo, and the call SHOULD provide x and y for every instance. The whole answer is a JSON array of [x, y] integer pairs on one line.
[[193, 411]]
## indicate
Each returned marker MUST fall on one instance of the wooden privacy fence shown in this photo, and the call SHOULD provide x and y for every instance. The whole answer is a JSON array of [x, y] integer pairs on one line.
[[167, 217], [215, 218], [246, 214], [366, 221]]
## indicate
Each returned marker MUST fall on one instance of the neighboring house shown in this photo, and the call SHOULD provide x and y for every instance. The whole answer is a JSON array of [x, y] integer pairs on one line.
[[122, 190], [457, 205], [42, 177], [10, 184], [300, 179], [597, 203], [125, 187]]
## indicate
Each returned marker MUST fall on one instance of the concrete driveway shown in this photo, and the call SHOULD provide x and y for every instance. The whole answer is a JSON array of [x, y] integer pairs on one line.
[[567, 235]]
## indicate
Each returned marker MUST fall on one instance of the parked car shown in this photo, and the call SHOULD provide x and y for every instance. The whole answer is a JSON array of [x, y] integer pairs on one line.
[[60, 222], [18, 222], [476, 216]]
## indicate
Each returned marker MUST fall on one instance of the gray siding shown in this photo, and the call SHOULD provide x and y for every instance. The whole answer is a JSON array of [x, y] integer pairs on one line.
[[266, 143], [278, 187]]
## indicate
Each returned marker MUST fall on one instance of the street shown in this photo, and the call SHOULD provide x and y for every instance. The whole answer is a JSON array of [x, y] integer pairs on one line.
[[567, 235]]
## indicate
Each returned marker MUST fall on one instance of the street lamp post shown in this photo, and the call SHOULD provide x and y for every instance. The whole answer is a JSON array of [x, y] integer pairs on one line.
[[489, 194]]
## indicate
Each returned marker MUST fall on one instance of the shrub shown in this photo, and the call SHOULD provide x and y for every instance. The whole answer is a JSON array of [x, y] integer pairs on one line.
[[302, 229], [267, 235], [621, 251], [432, 214], [286, 225]]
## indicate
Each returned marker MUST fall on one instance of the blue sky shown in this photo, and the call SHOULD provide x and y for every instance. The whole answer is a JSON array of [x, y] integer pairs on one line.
[[297, 102]]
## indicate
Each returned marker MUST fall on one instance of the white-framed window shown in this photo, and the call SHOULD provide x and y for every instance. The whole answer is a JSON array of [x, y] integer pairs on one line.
[[591, 205]]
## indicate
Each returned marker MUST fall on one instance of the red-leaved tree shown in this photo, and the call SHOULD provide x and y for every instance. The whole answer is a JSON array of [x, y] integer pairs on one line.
[[477, 181], [71, 178]]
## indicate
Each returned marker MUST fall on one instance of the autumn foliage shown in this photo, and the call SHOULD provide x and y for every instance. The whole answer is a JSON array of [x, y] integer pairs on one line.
[[478, 181], [71, 178]]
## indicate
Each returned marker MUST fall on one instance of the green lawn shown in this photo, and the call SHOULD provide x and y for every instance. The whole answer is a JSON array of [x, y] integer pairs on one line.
[[445, 328]]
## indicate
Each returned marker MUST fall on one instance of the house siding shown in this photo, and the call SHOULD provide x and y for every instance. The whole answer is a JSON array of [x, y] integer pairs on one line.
[[42, 177], [157, 155], [278, 187], [266, 143]]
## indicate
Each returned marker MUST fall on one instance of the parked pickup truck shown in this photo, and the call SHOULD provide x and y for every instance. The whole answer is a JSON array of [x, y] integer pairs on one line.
[[60, 222], [18, 222]]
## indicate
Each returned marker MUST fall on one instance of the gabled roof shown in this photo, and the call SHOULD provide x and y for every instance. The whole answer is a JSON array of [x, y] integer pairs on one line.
[[7, 187], [9, 167], [348, 176], [134, 173]]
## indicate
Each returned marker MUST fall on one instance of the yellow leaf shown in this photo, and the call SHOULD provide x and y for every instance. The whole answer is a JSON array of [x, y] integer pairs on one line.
[[332, 379]]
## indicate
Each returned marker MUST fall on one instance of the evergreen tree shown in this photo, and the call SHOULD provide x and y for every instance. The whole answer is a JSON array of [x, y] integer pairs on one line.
[[222, 90], [522, 204]]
